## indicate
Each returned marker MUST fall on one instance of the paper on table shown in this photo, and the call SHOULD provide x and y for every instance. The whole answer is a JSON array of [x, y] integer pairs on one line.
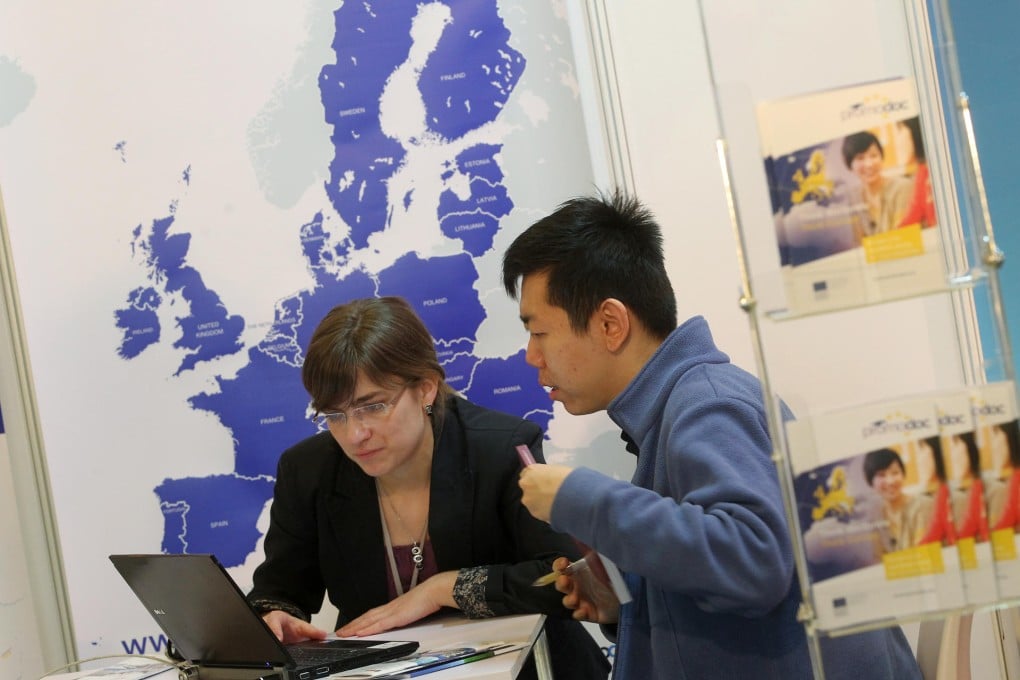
[[130, 668], [429, 661]]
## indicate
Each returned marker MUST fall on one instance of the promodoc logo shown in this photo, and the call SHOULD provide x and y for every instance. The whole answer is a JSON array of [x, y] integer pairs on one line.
[[897, 423], [875, 107], [952, 419], [987, 410]]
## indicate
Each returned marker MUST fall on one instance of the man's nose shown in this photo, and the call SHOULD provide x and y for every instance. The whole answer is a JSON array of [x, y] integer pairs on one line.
[[532, 356]]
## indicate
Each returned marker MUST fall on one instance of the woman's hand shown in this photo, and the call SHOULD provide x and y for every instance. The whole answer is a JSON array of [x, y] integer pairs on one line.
[[424, 599], [290, 629]]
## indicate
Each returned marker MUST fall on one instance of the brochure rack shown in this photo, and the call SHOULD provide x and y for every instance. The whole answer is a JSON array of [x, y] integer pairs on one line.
[[852, 311]]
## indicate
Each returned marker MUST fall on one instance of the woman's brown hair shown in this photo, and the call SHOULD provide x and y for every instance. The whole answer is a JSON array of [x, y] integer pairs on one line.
[[381, 338]]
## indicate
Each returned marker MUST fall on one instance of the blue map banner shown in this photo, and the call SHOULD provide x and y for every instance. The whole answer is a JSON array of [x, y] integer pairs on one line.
[[204, 184]]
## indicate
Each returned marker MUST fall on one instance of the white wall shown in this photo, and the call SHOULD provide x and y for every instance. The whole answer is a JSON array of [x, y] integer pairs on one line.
[[20, 644], [33, 628], [671, 127]]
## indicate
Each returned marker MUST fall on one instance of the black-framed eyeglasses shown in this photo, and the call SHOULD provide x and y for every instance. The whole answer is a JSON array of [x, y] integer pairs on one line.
[[369, 414]]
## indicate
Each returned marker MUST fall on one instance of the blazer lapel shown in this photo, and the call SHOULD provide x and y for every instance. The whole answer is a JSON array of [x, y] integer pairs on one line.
[[451, 505], [359, 541]]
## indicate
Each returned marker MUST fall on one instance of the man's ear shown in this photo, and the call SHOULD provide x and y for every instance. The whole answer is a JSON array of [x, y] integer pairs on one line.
[[614, 322]]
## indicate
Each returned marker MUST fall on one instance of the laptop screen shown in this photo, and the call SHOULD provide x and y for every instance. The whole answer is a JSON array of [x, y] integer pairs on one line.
[[201, 609]]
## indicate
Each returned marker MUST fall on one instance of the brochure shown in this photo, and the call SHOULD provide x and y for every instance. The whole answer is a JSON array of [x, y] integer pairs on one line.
[[866, 516], [966, 501], [995, 416], [599, 577], [851, 199]]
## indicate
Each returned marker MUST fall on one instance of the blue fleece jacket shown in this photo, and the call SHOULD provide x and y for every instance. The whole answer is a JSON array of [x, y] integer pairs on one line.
[[701, 535]]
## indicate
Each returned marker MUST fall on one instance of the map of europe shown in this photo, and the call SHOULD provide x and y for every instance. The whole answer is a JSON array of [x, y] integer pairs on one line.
[[461, 80]]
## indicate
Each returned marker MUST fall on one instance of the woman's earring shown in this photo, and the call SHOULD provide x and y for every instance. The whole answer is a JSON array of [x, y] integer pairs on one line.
[[428, 409]]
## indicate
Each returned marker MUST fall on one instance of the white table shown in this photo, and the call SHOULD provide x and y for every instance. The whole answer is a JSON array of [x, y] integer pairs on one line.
[[456, 629], [444, 631]]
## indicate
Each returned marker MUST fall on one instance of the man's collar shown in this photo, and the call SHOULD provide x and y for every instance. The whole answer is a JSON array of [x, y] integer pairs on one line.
[[631, 446]]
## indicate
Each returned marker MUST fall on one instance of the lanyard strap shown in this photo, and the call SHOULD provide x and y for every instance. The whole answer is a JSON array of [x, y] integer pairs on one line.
[[394, 572]]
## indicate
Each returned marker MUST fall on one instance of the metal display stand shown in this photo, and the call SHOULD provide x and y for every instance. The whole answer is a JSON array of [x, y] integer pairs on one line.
[[951, 338]]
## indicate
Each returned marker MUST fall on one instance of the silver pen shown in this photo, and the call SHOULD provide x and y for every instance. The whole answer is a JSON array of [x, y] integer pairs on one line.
[[553, 575]]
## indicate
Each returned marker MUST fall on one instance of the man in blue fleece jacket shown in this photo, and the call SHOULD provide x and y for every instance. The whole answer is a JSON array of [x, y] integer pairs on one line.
[[700, 531]]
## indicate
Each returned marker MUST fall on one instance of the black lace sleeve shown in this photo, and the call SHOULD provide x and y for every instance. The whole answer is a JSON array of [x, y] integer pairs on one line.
[[469, 592]]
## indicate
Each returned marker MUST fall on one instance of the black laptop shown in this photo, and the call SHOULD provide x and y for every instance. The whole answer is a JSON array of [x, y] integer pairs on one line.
[[206, 616]]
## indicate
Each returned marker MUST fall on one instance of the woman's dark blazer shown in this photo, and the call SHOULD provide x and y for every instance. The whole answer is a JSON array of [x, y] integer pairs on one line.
[[325, 531]]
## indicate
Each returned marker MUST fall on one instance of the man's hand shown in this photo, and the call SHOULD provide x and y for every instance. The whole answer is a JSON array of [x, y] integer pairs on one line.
[[290, 629], [540, 484], [586, 595], [424, 599]]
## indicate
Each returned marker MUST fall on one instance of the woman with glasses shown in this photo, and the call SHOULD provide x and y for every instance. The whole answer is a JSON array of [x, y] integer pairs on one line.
[[407, 500]]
